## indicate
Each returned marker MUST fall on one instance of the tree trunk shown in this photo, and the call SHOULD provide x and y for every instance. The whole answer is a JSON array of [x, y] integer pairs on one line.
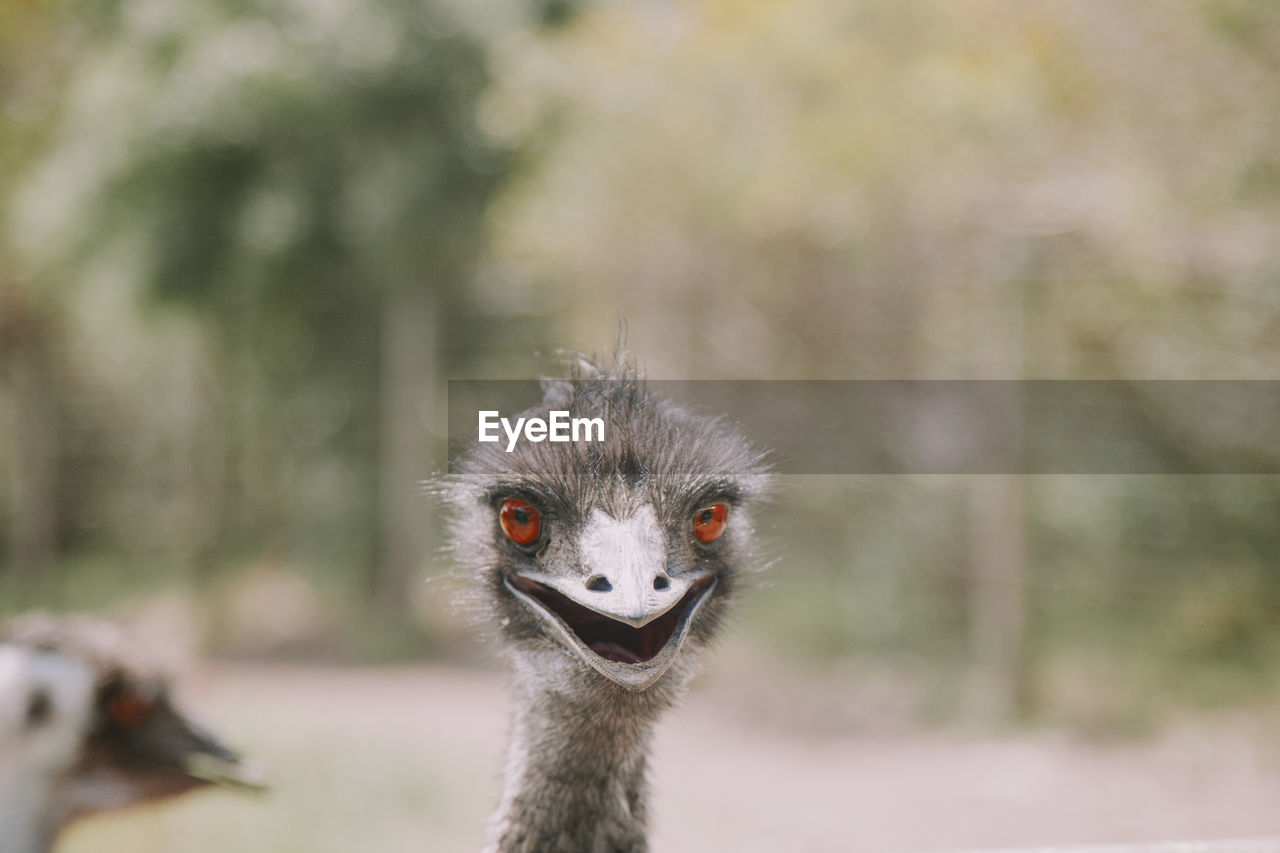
[[34, 472], [996, 605], [408, 395]]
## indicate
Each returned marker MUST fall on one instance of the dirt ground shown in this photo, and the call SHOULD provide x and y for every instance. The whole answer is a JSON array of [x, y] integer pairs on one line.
[[408, 759]]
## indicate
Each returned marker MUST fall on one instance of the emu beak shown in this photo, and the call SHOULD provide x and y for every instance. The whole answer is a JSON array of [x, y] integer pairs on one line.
[[238, 773], [624, 616], [633, 658], [168, 740]]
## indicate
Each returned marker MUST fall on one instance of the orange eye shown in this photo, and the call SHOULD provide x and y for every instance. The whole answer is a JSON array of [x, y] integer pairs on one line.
[[520, 521], [709, 522], [128, 709]]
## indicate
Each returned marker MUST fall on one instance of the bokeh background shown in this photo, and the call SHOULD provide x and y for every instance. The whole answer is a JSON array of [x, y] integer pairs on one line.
[[245, 244]]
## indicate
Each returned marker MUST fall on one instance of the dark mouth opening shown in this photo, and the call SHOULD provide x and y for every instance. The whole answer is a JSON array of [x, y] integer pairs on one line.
[[610, 639]]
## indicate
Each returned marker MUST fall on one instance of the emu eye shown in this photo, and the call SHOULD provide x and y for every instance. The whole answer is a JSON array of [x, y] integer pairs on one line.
[[39, 707], [709, 522], [520, 521], [128, 709]]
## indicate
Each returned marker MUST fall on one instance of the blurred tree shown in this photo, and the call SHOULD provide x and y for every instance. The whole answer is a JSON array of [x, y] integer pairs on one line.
[[309, 181]]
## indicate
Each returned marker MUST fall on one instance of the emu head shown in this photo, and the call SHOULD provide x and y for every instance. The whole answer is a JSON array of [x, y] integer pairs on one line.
[[85, 727], [616, 555]]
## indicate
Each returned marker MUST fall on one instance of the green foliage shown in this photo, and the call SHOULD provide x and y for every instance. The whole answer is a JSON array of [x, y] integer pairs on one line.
[[279, 170], [280, 157]]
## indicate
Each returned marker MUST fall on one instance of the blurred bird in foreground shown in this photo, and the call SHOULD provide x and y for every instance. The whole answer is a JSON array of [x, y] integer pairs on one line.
[[87, 725]]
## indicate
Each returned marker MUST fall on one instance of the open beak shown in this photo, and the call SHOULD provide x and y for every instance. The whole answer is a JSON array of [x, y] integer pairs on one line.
[[630, 656]]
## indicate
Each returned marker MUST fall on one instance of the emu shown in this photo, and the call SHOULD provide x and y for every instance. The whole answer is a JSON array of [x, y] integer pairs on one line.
[[86, 726], [606, 567]]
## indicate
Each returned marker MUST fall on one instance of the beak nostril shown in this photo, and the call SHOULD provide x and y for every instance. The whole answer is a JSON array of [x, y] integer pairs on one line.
[[599, 583], [661, 582]]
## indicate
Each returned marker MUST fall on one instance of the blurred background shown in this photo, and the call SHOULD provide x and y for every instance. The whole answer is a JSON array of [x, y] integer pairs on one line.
[[245, 243]]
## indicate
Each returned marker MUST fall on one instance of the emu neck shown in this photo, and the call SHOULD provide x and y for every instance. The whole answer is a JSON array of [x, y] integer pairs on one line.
[[575, 772], [25, 826]]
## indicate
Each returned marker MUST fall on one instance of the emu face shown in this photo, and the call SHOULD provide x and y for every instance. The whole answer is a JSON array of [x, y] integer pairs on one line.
[[620, 552]]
